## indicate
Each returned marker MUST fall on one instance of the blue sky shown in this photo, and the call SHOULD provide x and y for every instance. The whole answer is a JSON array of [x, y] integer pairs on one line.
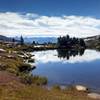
[[48, 17], [53, 7]]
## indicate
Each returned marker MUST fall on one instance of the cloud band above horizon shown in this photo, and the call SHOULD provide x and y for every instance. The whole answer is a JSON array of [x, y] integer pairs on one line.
[[30, 24]]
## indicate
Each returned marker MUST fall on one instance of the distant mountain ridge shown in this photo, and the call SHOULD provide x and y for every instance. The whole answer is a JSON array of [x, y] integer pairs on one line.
[[4, 38], [92, 38], [30, 39], [7, 39], [41, 39]]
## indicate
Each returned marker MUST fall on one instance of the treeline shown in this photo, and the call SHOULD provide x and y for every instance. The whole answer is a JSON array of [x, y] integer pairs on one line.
[[67, 41], [62, 42]]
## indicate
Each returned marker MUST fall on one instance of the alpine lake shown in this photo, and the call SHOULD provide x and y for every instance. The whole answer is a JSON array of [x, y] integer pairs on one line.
[[68, 67]]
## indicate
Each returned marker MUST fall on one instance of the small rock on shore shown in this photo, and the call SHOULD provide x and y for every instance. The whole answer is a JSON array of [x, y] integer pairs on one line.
[[81, 88]]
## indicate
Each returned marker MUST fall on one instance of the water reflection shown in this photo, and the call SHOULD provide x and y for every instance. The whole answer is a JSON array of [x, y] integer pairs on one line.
[[66, 56], [64, 53]]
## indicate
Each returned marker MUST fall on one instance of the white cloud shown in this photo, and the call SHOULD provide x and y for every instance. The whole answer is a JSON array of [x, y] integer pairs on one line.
[[30, 24], [49, 56]]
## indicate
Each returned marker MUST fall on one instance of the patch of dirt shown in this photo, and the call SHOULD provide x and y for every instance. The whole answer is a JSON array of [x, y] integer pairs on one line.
[[6, 77]]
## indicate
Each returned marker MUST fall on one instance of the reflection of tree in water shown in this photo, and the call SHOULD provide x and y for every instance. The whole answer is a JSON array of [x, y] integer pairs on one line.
[[64, 53]]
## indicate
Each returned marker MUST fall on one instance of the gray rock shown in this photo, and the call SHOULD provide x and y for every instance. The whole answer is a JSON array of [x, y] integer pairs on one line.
[[2, 50], [81, 88]]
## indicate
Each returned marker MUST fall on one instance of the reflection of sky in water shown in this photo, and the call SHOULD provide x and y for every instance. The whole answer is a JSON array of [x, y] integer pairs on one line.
[[51, 56], [83, 69]]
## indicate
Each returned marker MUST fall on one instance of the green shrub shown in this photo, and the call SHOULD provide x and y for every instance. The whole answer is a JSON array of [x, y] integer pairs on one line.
[[26, 78], [30, 79], [25, 67], [11, 70], [70, 88], [39, 80], [56, 87]]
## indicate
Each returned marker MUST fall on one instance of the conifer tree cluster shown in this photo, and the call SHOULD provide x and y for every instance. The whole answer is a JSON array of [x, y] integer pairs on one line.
[[67, 41]]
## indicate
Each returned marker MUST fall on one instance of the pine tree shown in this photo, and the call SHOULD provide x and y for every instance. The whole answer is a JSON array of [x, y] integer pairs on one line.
[[21, 40]]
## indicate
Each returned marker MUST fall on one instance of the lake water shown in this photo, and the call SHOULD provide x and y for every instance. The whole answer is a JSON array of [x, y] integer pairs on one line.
[[65, 67]]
